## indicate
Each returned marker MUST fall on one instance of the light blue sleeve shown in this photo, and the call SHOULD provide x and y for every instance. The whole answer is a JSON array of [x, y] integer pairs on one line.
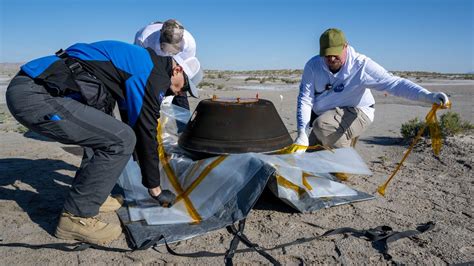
[[306, 96], [376, 77]]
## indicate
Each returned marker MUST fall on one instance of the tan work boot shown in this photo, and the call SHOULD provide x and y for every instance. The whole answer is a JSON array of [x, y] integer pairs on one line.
[[112, 203], [90, 230]]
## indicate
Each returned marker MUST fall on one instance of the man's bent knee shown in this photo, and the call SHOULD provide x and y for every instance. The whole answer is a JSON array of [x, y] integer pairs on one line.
[[126, 143], [334, 140], [326, 130]]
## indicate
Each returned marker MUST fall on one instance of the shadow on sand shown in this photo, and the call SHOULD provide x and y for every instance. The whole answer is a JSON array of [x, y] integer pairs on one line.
[[268, 201], [37, 187], [33, 135], [74, 150], [384, 141]]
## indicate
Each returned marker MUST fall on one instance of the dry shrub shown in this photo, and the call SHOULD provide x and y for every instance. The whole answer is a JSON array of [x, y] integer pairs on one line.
[[411, 128], [206, 84], [450, 124]]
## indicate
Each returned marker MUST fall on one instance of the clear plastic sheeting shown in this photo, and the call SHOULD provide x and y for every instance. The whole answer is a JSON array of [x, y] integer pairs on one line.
[[304, 180], [204, 187], [130, 181], [328, 188], [201, 195]]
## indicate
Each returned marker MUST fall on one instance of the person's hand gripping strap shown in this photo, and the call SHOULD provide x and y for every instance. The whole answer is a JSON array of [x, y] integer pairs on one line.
[[301, 142], [166, 198], [439, 98]]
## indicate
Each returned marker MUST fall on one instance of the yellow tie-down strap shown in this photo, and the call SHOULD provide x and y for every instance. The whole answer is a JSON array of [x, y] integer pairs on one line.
[[292, 148], [435, 133], [305, 180], [282, 181], [183, 194], [201, 177]]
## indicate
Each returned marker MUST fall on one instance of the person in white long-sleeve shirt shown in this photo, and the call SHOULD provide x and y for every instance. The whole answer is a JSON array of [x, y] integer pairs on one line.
[[336, 86], [167, 39]]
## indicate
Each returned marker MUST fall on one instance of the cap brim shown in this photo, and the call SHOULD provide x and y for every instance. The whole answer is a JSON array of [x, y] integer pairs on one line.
[[193, 90], [191, 87], [336, 51], [194, 81]]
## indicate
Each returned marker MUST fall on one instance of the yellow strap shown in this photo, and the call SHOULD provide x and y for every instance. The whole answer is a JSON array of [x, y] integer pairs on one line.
[[435, 134], [172, 177], [435, 131], [201, 177], [296, 147], [305, 180], [290, 185], [196, 166]]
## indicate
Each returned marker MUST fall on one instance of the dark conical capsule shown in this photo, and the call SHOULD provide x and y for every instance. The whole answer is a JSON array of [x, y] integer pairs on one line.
[[220, 126]]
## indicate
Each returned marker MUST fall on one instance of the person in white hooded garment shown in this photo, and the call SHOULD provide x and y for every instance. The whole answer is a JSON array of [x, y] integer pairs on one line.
[[336, 86]]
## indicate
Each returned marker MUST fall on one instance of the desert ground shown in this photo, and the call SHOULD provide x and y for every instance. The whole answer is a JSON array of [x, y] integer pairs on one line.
[[35, 174]]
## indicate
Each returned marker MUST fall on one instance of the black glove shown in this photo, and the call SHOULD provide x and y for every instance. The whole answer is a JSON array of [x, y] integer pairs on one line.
[[166, 198]]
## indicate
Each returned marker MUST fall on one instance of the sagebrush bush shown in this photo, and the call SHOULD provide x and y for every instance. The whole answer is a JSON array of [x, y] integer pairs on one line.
[[411, 128], [21, 129], [206, 84], [252, 78], [3, 117], [289, 81], [450, 124]]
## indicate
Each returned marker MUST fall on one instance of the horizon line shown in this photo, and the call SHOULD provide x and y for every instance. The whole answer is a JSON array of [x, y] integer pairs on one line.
[[297, 69]]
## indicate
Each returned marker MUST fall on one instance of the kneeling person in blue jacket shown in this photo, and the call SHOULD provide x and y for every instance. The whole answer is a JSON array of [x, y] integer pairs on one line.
[[70, 96]]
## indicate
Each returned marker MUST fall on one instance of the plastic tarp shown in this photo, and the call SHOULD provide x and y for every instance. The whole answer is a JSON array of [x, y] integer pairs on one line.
[[217, 191]]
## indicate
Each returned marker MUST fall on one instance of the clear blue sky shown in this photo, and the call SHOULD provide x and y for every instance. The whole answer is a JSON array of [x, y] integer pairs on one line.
[[424, 35]]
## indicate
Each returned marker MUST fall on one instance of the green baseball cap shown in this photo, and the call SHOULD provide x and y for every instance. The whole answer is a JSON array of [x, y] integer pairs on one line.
[[331, 42]]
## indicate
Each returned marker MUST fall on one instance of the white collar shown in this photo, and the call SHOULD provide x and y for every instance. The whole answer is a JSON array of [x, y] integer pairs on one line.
[[352, 65]]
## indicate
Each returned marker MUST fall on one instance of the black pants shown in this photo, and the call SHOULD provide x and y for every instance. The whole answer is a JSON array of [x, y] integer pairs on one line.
[[107, 141]]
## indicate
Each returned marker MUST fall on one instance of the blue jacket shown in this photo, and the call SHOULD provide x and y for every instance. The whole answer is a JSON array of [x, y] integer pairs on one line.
[[138, 79]]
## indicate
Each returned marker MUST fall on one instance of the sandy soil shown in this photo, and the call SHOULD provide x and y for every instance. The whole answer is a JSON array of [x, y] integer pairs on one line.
[[35, 175]]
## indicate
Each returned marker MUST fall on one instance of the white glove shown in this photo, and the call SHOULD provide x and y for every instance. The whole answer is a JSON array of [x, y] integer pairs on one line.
[[302, 140], [436, 97]]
